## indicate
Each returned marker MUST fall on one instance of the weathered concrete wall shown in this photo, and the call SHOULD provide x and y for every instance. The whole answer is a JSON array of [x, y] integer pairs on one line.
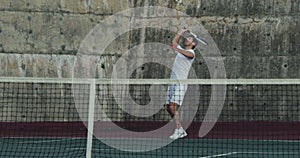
[[257, 39]]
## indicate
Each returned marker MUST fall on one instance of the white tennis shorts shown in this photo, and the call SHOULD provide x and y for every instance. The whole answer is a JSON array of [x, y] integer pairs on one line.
[[176, 93]]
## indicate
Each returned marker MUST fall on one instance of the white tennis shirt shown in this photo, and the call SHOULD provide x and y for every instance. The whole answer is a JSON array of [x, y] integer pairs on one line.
[[182, 65]]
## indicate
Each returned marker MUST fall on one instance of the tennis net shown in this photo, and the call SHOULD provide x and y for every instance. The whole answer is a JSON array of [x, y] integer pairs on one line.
[[126, 118]]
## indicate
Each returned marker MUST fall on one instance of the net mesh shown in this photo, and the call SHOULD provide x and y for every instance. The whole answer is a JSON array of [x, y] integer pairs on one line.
[[49, 118]]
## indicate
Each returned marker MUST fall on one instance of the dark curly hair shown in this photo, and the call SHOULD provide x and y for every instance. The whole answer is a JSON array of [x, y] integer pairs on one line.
[[194, 40]]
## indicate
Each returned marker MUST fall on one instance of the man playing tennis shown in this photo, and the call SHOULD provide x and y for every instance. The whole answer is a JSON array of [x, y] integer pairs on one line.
[[180, 70]]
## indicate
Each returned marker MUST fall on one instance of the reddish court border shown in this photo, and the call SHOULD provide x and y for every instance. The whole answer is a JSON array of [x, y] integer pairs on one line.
[[256, 130]]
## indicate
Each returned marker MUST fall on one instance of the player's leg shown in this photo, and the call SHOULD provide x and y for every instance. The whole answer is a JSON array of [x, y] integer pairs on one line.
[[174, 99], [169, 98], [179, 131], [174, 112], [170, 110]]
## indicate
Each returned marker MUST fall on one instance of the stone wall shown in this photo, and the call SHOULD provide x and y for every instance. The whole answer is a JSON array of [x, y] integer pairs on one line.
[[257, 38]]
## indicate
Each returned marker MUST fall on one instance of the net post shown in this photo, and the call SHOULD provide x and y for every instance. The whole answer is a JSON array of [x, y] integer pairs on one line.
[[91, 119]]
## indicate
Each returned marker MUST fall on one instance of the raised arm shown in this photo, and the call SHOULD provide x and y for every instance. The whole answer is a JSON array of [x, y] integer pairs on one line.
[[177, 37]]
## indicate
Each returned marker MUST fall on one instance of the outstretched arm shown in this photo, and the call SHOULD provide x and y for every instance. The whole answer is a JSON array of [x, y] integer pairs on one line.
[[183, 52]]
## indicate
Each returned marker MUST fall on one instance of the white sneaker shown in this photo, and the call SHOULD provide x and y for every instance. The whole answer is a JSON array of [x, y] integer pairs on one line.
[[175, 135], [178, 133], [182, 132]]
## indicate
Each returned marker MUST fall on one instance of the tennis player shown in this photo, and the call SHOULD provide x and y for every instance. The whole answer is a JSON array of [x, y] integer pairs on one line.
[[180, 70]]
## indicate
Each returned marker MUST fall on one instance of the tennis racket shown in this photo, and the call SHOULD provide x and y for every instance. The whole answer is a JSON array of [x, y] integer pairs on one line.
[[199, 39]]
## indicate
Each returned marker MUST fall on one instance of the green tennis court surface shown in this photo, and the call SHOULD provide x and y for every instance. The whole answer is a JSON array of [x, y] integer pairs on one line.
[[200, 148]]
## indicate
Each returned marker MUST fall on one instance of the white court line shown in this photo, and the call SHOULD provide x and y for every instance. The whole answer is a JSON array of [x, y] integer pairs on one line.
[[39, 141], [36, 147], [285, 141], [68, 148], [46, 141], [234, 153], [270, 153], [220, 155], [92, 149]]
